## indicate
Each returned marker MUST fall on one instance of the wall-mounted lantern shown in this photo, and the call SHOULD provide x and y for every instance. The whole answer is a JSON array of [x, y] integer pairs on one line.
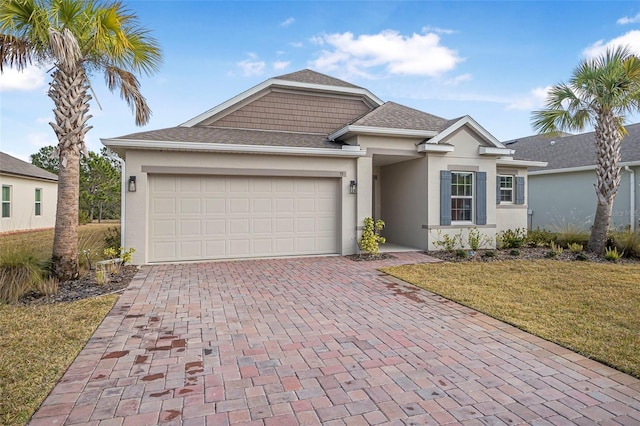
[[353, 187], [131, 186]]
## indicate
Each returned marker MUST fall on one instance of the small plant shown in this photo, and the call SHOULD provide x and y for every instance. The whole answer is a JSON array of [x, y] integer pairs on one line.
[[514, 252], [489, 253], [575, 247], [539, 237], [462, 254], [566, 233], [557, 249], [112, 238], [512, 238], [550, 254], [20, 271], [582, 257], [101, 275], [476, 239], [447, 242], [370, 240], [627, 241], [611, 254]]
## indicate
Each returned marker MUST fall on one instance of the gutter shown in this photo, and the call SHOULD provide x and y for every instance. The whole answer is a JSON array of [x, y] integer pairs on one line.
[[123, 192], [632, 198]]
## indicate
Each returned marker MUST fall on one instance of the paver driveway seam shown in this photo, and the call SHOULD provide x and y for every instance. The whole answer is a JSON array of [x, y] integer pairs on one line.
[[321, 340]]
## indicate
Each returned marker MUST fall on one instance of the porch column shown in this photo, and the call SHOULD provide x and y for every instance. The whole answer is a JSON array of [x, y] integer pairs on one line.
[[364, 176]]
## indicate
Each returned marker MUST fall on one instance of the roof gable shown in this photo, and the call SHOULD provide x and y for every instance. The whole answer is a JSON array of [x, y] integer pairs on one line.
[[313, 77], [395, 116], [14, 166]]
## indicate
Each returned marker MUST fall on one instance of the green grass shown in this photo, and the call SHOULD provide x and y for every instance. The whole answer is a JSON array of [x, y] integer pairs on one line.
[[591, 308], [38, 345]]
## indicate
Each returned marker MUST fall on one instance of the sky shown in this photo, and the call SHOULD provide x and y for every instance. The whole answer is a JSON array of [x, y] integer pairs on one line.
[[492, 60]]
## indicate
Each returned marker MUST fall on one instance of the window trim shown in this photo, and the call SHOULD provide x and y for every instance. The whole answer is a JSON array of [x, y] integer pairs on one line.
[[6, 202], [471, 197], [512, 189], [38, 203]]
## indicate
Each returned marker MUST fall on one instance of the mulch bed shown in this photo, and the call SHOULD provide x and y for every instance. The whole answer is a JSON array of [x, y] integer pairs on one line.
[[84, 287], [522, 253], [365, 257]]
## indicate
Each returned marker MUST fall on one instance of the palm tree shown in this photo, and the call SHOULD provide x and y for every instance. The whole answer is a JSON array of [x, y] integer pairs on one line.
[[76, 38], [600, 93]]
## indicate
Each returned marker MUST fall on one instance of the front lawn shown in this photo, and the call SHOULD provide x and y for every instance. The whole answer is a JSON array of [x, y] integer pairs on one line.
[[591, 308]]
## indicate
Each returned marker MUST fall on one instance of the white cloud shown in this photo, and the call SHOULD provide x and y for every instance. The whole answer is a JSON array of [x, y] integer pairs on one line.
[[31, 78], [535, 99], [296, 44], [287, 22], [438, 30], [280, 65], [629, 20], [630, 39], [421, 55], [458, 79], [252, 65]]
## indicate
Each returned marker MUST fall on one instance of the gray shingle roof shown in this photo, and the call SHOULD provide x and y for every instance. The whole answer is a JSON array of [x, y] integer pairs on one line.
[[203, 134], [313, 77], [571, 150], [13, 166], [395, 116]]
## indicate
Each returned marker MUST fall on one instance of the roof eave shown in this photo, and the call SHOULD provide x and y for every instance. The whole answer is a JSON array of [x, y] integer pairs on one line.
[[468, 121], [21, 175], [380, 131], [579, 168], [520, 163]]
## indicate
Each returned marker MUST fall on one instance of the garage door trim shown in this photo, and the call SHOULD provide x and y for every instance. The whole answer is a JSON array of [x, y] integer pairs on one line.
[[224, 171]]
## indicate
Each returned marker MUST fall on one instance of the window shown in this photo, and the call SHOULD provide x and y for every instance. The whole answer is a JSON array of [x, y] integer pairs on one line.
[[506, 189], [6, 201], [38, 210], [462, 196]]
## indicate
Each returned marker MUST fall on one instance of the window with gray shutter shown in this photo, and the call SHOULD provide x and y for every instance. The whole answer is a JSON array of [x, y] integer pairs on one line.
[[481, 198], [519, 190], [445, 197]]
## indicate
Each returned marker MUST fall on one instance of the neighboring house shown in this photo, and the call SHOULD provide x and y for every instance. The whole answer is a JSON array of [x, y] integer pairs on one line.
[[293, 165], [562, 193], [29, 195]]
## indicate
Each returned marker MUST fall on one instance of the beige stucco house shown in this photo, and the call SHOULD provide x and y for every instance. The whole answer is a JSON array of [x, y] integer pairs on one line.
[[293, 165], [29, 195]]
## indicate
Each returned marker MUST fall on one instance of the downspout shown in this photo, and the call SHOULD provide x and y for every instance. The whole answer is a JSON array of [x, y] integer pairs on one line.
[[632, 198], [123, 193]]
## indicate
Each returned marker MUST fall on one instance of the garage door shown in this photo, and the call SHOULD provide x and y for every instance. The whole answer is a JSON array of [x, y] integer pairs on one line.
[[218, 217]]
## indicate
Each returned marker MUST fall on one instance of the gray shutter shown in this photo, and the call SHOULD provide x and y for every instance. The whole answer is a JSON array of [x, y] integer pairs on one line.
[[497, 189], [519, 195], [481, 198], [445, 197]]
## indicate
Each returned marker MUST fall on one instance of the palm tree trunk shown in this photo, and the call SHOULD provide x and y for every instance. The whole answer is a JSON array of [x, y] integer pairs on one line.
[[608, 140], [69, 93]]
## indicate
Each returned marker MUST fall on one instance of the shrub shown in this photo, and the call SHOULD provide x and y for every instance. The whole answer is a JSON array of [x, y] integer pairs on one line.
[[557, 249], [489, 253], [112, 238], [539, 237], [627, 241], [21, 271], [569, 233], [551, 254], [512, 238], [476, 239], [447, 242], [514, 252], [462, 253], [582, 257], [575, 247], [370, 240], [612, 254]]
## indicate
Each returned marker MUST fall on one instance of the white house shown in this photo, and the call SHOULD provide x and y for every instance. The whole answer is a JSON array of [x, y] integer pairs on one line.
[[293, 165], [29, 195]]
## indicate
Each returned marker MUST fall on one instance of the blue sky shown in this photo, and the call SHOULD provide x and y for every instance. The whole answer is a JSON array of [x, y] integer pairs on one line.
[[492, 60]]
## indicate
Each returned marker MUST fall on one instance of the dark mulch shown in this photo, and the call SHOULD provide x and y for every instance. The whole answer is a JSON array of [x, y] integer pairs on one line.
[[364, 257], [84, 287], [523, 253]]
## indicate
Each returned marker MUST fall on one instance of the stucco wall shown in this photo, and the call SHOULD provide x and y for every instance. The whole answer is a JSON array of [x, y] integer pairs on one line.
[[23, 204], [560, 199], [137, 203], [404, 202]]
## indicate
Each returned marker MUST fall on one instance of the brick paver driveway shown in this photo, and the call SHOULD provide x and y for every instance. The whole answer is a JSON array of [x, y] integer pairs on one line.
[[304, 341]]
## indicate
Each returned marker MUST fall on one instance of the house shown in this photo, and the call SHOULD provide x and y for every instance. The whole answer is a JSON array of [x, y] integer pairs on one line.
[[562, 193], [293, 165], [29, 195]]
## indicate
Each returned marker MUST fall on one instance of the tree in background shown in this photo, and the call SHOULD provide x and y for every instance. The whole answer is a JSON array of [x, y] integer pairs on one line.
[[79, 38], [100, 182], [601, 92]]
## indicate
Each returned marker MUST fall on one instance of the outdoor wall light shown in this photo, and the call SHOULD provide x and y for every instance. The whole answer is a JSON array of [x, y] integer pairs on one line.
[[131, 186], [353, 187]]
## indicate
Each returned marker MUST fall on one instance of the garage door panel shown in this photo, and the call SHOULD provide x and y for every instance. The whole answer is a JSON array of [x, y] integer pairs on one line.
[[215, 217]]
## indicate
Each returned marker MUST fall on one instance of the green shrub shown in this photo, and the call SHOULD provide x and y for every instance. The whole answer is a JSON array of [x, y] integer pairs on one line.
[[461, 253], [627, 242], [557, 249], [370, 240], [447, 242], [476, 239], [569, 233], [21, 271], [539, 237], [514, 252], [582, 257], [575, 247], [512, 238], [612, 254], [551, 254], [489, 253]]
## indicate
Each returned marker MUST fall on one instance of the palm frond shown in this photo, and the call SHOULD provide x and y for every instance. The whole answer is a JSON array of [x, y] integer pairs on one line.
[[64, 48], [15, 52], [129, 86]]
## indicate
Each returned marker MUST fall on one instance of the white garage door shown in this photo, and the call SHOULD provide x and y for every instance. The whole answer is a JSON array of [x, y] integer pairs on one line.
[[217, 217]]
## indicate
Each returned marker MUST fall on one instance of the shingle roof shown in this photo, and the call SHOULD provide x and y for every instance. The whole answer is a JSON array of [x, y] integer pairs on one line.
[[203, 134], [565, 151], [395, 116], [313, 77], [13, 166]]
